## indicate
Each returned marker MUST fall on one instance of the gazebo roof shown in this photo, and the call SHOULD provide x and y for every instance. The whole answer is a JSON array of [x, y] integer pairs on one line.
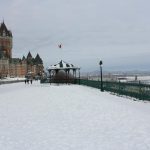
[[62, 65]]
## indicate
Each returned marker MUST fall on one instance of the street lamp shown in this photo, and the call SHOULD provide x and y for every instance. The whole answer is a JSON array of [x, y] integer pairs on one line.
[[100, 63]]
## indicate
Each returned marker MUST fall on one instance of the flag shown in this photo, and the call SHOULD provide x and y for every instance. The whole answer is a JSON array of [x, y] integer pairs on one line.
[[60, 46]]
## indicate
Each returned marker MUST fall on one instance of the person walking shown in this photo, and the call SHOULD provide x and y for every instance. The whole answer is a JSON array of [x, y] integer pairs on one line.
[[28, 81], [31, 81]]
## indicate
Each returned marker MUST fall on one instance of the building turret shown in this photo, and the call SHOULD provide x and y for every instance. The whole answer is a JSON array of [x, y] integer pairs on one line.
[[5, 40], [38, 60]]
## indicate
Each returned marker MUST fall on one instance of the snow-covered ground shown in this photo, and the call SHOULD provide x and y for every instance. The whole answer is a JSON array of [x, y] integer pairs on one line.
[[70, 117]]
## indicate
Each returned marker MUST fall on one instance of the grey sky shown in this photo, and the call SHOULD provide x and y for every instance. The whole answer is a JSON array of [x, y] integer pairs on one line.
[[116, 31]]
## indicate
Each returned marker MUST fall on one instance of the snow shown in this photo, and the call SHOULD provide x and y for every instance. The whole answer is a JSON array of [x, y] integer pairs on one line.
[[62, 65], [70, 117]]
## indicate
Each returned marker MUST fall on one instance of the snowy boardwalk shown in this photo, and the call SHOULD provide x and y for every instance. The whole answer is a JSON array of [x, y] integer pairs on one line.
[[70, 117]]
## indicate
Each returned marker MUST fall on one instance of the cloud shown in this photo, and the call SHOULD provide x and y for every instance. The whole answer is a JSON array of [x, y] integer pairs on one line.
[[114, 31]]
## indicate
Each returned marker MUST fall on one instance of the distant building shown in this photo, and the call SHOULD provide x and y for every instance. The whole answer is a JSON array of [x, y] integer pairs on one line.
[[16, 67], [26, 66], [4, 67]]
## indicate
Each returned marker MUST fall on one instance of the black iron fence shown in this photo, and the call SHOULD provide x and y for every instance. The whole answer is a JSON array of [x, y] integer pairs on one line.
[[136, 90]]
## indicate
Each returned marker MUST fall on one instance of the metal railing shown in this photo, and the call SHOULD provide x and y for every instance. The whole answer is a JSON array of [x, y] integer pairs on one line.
[[136, 90]]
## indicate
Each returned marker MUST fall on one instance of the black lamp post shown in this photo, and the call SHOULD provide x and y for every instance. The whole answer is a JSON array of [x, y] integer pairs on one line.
[[101, 74]]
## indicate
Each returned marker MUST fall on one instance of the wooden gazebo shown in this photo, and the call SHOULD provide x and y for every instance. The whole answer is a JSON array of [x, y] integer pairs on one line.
[[61, 72]]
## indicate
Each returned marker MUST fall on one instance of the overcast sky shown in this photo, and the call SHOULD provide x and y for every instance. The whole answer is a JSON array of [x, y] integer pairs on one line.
[[115, 31]]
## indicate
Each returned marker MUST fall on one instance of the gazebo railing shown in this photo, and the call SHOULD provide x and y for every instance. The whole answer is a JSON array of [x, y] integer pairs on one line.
[[58, 81]]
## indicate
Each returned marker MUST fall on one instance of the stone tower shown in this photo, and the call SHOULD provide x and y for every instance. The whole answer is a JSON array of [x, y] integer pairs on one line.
[[5, 41]]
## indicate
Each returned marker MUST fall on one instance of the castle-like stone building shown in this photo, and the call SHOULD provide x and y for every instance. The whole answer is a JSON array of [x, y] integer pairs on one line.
[[16, 67], [5, 41]]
